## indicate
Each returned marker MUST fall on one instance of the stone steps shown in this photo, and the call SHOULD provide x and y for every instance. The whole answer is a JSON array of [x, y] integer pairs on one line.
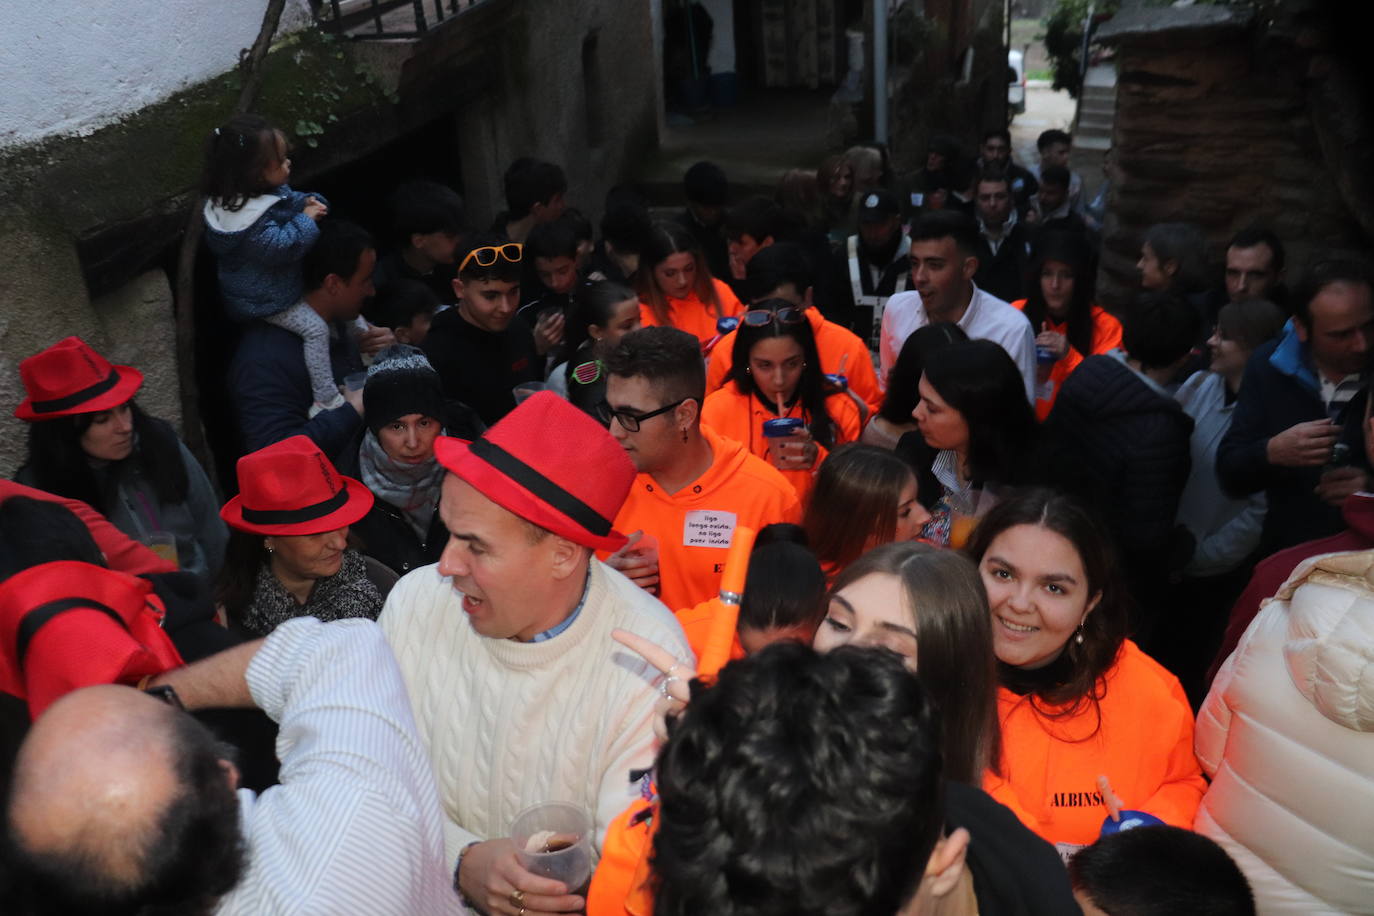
[[1096, 109]]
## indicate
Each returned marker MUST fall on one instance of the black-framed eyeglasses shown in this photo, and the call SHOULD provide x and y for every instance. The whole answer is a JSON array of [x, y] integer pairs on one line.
[[757, 318], [630, 420]]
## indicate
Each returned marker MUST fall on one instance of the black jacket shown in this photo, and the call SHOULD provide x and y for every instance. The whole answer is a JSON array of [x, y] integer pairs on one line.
[[1004, 274], [1015, 873], [270, 387], [385, 535], [1123, 448], [1271, 401], [479, 367]]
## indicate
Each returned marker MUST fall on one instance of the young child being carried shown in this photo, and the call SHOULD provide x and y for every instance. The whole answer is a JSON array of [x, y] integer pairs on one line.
[[260, 229]]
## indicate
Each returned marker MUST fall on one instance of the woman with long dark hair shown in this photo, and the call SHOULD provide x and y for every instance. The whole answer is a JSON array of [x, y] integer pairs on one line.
[[676, 288], [975, 431], [1086, 716], [776, 376], [1068, 326], [89, 441], [894, 418]]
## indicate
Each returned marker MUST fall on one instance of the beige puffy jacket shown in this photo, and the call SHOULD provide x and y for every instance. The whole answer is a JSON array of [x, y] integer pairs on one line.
[[1287, 735]]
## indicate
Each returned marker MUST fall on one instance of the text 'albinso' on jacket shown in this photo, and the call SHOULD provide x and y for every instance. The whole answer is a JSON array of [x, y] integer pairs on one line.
[[1287, 734]]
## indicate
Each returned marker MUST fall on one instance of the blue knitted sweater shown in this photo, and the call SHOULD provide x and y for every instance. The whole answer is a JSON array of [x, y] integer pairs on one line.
[[259, 248]]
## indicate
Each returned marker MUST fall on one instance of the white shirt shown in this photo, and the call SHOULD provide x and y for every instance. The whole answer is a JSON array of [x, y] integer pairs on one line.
[[986, 318], [355, 826]]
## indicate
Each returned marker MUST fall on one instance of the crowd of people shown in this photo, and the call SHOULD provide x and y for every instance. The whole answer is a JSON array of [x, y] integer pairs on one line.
[[836, 552]]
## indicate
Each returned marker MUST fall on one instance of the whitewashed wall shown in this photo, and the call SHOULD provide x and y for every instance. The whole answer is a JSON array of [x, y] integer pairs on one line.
[[71, 66]]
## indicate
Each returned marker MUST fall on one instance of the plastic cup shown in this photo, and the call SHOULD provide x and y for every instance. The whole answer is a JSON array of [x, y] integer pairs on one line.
[[778, 432], [965, 510], [355, 381], [526, 390], [164, 544], [554, 840], [838, 379]]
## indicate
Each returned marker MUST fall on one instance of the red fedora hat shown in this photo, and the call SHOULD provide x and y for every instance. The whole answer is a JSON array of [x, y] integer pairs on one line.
[[66, 625], [552, 465], [290, 487], [70, 378]]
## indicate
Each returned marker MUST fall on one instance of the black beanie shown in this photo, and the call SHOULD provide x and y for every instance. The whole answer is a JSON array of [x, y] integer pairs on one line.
[[401, 381]]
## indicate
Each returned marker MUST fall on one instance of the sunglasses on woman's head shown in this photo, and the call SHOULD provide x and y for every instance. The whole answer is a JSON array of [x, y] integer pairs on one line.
[[487, 255], [757, 318]]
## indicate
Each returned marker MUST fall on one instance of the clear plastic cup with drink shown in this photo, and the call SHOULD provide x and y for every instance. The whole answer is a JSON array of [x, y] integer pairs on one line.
[[554, 840], [966, 507], [164, 544]]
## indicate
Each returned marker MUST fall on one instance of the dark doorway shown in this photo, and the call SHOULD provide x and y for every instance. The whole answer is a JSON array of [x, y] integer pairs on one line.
[[357, 191]]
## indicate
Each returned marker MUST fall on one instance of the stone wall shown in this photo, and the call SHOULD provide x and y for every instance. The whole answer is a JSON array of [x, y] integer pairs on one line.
[[88, 225], [72, 66], [1215, 125]]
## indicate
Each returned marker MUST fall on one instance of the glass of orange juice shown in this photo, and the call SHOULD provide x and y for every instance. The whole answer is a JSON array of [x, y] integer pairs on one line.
[[164, 544], [965, 509]]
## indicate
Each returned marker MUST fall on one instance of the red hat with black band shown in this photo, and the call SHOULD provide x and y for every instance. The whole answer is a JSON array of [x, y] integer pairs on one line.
[[66, 625], [551, 464], [70, 378], [290, 487]]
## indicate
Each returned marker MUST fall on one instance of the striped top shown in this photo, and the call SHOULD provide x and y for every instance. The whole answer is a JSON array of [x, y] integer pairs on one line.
[[355, 826]]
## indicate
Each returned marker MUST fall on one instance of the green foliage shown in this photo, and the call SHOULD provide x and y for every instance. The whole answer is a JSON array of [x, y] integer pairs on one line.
[[1064, 40]]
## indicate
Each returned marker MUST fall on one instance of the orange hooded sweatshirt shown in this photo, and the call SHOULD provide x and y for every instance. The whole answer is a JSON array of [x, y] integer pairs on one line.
[[694, 525], [694, 316], [741, 417], [1143, 745], [834, 343], [1106, 336]]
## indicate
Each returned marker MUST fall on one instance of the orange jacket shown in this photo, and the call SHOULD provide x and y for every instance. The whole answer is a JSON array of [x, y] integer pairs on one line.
[[620, 885], [694, 316], [737, 488], [1106, 336], [1144, 746], [741, 417], [834, 343]]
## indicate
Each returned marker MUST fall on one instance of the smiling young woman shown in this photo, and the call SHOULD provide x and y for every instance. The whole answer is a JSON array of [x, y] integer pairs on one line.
[[1078, 700]]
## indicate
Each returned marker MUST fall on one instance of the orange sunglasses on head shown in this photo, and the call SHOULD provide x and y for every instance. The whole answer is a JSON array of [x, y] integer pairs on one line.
[[487, 255]]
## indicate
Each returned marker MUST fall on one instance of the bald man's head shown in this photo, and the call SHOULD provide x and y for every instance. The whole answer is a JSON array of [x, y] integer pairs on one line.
[[120, 802]]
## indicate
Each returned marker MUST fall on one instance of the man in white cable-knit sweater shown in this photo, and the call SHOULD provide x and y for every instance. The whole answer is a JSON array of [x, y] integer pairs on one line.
[[517, 687]]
